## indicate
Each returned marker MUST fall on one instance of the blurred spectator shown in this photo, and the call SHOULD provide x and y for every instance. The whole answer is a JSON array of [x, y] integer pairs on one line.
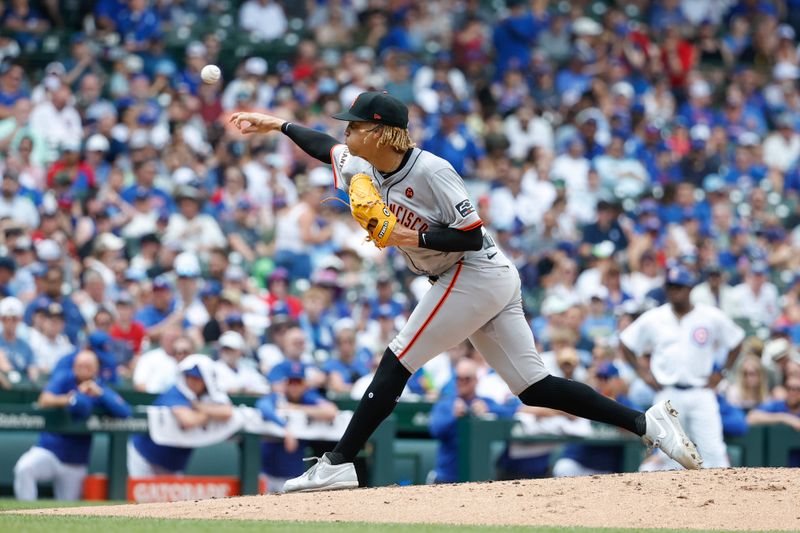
[[14, 205], [282, 460], [447, 411], [785, 411], [756, 298], [194, 401], [750, 388], [155, 370], [17, 361], [235, 374], [47, 340], [348, 360], [64, 459], [263, 18]]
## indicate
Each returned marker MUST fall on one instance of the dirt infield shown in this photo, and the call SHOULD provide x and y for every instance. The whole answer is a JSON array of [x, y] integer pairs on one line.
[[740, 499]]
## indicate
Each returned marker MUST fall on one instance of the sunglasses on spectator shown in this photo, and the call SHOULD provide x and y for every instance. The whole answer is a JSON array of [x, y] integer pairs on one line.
[[464, 378]]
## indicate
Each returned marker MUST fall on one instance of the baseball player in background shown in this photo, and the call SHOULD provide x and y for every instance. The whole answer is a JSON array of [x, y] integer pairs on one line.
[[476, 290], [678, 346], [64, 459]]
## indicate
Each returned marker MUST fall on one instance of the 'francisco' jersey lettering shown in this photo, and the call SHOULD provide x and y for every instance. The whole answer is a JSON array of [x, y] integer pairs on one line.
[[426, 193]]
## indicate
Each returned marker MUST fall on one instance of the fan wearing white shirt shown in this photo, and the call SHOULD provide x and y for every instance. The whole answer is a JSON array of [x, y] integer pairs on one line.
[[234, 374], [156, 370], [756, 298], [682, 342]]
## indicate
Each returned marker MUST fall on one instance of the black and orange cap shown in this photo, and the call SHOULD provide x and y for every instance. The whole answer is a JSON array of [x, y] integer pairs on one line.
[[377, 107]]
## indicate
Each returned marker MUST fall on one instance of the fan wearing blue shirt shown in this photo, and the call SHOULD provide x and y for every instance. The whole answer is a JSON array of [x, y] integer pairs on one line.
[[283, 459], [347, 363], [448, 410], [193, 405], [63, 459], [785, 411]]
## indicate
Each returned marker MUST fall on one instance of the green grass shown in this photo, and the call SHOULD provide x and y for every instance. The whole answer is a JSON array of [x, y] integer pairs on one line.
[[81, 524]]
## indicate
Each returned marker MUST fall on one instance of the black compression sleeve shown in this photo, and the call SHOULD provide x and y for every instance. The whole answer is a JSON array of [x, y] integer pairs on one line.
[[315, 143], [451, 239]]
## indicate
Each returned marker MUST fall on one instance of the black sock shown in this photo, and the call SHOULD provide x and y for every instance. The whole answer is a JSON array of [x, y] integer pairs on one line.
[[376, 404], [581, 400]]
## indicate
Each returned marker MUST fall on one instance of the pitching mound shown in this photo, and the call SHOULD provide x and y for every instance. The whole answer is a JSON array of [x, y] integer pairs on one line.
[[742, 499]]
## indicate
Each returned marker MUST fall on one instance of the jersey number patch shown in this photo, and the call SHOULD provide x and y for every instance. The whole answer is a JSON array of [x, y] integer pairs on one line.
[[465, 208]]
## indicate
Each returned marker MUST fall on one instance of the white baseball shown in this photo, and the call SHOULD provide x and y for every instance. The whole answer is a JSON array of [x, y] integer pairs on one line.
[[210, 74]]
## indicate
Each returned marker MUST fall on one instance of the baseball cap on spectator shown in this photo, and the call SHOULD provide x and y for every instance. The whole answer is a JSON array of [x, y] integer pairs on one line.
[[134, 274], [713, 269], [99, 341], [607, 370], [713, 183], [184, 176], [680, 276], [786, 32], [187, 192], [133, 63], [785, 71], [320, 177], [161, 282], [124, 298], [555, 305], [54, 310], [211, 288], [652, 224], [699, 89], [235, 273], [376, 107], [193, 372], [623, 88], [344, 324], [196, 49], [70, 145], [139, 139], [760, 268], [628, 307], [108, 242], [97, 143], [256, 66], [279, 274], [748, 139], [279, 308], [777, 349], [586, 26], [296, 371], [232, 340], [234, 319], [48, 250], [598, 292], [23, 244], [8, 263], [231, 295], [187, 265], [11, 306]]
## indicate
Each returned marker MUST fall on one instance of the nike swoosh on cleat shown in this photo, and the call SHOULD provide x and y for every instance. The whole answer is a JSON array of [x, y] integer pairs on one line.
[[491, 256]]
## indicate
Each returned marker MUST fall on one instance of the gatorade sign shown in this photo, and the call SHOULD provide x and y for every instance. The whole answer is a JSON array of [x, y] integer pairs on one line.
[[173, 489]]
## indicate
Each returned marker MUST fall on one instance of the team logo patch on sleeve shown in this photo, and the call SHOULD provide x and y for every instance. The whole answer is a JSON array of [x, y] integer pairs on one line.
[[409, 192], [465, 208]]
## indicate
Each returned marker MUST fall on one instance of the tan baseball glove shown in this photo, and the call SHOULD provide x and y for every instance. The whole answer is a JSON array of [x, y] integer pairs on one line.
[[370, 211]]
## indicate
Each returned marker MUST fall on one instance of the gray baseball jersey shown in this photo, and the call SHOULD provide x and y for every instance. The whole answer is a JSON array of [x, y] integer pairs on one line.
[[425, 193], [477, 295]]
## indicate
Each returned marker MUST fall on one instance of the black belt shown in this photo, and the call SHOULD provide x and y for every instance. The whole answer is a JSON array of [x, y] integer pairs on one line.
[[686, 387], [433, 279]]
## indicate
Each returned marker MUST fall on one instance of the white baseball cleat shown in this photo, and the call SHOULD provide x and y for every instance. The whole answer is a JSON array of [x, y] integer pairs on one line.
[[324, 476], [664, 431]]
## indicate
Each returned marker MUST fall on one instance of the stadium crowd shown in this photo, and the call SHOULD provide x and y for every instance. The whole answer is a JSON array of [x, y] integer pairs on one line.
[[603, 143]]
